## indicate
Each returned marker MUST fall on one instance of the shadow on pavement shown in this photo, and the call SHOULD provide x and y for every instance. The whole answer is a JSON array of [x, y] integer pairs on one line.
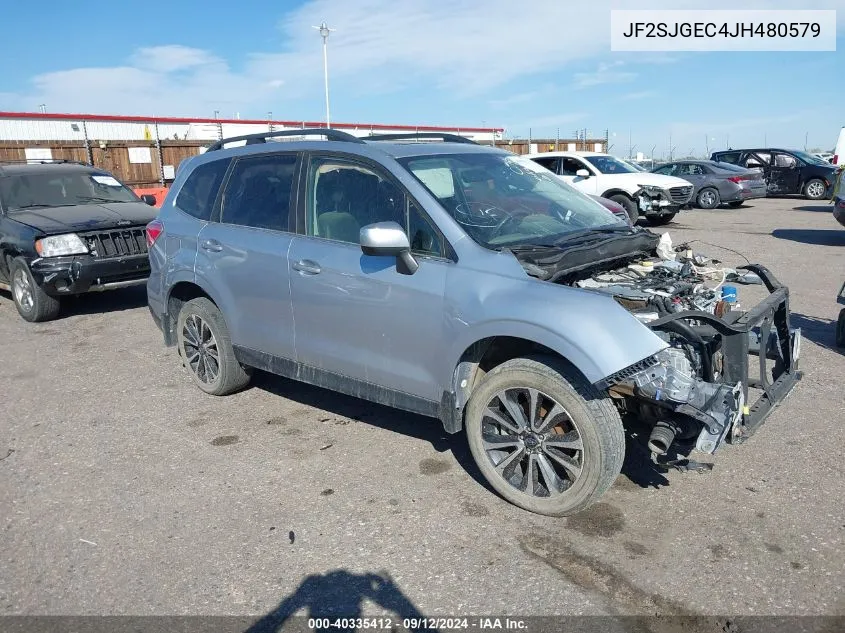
[[339, 594], [818, 208], [819, 237], [99, 302], [822, 332], [410, 424]]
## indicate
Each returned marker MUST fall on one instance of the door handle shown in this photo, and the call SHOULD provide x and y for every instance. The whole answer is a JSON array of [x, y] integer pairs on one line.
[[307, 267], [212, 245]]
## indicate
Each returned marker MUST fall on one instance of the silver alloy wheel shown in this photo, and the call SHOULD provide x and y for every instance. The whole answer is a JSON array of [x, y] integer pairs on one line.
[[707, 197], [199, 349], [815, 189], [23, 290], [532, 442]]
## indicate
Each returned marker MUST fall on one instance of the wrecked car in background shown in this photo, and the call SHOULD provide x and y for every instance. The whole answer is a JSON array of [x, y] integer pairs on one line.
[[66, 229], [464, 283]]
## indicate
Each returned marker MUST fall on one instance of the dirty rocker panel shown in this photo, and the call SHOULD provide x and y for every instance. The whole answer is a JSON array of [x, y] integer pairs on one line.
[[336, 382]]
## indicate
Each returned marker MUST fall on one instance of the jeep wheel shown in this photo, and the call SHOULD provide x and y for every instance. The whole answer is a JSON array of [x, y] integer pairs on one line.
[[630, 206], [543, 437], [33, 304], [206, 349], [660, 220]]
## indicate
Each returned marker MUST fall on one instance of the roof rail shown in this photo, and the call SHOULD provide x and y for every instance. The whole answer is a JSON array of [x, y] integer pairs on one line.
[[443, 136], [261, 137]]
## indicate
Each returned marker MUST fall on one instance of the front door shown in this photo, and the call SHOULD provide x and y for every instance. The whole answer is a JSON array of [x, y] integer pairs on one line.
[[356, 316], [784, 174], [242, 255], [569, 168]]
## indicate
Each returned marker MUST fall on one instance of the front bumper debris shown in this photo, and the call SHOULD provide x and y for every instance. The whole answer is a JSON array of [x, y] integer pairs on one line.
[[77, 274], [723, 407]]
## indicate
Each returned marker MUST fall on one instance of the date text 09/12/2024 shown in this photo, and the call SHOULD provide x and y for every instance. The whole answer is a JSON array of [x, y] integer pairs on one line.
[[418, 623]]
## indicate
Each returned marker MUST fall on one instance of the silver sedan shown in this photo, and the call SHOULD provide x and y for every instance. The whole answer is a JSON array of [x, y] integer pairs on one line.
[[717, 183]]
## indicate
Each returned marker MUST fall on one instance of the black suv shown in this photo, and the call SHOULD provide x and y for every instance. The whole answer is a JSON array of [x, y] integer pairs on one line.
[[786, 171], [65, 229]]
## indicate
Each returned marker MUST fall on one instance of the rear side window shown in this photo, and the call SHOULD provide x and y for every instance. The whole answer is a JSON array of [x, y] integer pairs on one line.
[[728, 157], [199, 192], [258, 192]]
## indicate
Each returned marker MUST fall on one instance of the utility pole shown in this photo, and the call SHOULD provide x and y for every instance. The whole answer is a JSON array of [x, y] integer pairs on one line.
[[324, 33], [630, 147], [707, 145], [806, 134], [43, 108]]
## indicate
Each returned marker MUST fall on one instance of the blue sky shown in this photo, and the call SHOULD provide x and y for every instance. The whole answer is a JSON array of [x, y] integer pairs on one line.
[[538, 65]]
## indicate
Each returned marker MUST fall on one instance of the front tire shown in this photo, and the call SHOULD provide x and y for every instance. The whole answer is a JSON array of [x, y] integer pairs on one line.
[[630, 206], [708, 198], [815, 189], [33, 304], [543, 437], [206, 349]]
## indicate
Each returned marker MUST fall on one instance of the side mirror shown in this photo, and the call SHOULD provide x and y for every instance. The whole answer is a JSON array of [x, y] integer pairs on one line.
[[389, 239], [149, 198], [582, 173]]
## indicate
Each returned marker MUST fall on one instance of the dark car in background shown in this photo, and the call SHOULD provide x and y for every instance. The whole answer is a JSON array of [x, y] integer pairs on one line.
[[67, 229], [786, 171], [717, 183]]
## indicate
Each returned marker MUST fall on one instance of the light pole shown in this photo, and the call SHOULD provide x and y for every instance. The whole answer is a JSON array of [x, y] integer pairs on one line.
[[324, 33]]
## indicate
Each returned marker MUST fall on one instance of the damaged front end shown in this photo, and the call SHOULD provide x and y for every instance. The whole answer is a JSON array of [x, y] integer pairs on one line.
[[697, 392]]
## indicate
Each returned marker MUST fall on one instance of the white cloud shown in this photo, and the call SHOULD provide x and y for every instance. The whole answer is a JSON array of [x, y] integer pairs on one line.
[[172, 58], [606, 73], [636, 96]]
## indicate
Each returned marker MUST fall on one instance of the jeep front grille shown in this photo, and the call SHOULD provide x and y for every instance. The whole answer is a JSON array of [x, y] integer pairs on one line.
[[116, 242]]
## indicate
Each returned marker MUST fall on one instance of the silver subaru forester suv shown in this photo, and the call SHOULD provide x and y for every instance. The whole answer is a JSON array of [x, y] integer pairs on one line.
[[461, 282]]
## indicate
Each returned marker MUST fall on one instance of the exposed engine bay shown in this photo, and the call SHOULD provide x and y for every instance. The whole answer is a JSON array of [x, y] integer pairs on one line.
[[694, 394]]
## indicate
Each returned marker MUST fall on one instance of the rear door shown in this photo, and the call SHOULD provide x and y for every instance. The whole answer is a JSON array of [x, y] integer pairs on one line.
[[242, 255], [784, 174], [356, 316]]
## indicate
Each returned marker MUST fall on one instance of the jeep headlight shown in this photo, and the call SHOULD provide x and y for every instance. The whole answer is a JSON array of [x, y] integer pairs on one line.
[[56, 245], [651, 190]]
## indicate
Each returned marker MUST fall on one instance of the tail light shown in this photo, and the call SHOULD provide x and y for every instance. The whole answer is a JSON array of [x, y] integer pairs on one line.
[[835, 159], [154, 229], [739, 179]]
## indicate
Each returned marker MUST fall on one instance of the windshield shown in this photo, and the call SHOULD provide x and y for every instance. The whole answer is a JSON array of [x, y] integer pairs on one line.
[[32, 191], [610, 165], [504, 201], [809, 158]]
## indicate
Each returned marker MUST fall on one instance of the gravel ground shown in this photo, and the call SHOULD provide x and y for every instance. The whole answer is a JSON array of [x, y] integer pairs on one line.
[[125, 490]]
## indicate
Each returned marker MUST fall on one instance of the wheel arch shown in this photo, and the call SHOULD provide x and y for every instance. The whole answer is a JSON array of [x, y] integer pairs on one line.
[[489, 352], [178, 295], [616, 191]]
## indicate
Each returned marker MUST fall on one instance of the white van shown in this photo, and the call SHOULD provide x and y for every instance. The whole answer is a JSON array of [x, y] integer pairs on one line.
[[839, 152]]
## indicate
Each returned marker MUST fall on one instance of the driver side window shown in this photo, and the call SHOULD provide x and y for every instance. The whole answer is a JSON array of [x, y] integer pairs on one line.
[[568, 166]]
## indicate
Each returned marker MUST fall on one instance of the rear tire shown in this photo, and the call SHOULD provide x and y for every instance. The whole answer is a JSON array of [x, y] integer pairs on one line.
[[561, 462], [708, 198], [660, 220], [814, 189], [630, 206], [33, 304], [206, 349]]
